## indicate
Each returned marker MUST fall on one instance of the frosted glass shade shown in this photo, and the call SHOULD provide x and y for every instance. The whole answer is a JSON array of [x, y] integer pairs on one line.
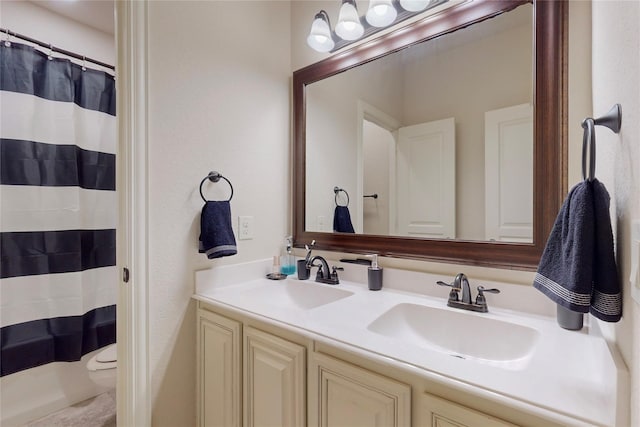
[[319, 37], [349, 26], [381, 13], [414, 5]]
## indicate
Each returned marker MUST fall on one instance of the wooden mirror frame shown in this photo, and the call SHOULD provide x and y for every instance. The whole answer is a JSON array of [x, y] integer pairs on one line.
[[550, 148]]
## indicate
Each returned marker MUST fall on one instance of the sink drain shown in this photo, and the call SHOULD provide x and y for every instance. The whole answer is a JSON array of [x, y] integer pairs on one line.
[[458, 356]]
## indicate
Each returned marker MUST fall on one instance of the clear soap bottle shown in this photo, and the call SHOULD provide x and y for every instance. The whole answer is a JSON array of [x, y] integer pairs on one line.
[[287, 260]]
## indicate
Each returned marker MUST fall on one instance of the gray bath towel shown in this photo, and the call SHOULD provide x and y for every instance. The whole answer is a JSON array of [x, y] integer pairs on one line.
[[577, 268]]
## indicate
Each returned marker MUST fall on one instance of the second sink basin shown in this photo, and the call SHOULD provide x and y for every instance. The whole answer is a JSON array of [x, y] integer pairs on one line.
[[461, 334]]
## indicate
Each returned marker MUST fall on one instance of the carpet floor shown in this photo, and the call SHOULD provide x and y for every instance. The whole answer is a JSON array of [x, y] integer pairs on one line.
[[99, 411]]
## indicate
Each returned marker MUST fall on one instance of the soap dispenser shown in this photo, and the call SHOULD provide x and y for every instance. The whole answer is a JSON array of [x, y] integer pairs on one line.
[[287, 261], [374, 275]]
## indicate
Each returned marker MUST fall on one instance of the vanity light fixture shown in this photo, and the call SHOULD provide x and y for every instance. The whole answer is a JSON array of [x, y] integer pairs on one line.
[[352, 27], [414, 5], [320, 37], [349, 26], [381, 13]]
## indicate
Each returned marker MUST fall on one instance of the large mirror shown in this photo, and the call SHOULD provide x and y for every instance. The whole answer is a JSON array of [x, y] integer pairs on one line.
[[444, 141]]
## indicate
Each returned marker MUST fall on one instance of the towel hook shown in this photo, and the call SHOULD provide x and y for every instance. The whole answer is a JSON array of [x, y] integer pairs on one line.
[[611, 120], [336, 190], [215, 177]]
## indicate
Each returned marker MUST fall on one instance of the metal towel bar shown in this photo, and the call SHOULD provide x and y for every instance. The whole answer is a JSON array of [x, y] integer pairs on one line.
[[215, 177], [612, 120]]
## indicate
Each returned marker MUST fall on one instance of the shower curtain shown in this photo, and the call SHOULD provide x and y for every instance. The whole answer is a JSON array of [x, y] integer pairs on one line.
[[58, 279]]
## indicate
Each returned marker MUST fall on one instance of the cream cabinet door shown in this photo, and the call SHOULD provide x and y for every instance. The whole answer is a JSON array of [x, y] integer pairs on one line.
[[219, 371], [274, 381], [341, 394], [436, 412]]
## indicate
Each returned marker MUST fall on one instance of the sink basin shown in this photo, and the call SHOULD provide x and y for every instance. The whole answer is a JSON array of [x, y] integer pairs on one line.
[[458, 333], [301, 295]]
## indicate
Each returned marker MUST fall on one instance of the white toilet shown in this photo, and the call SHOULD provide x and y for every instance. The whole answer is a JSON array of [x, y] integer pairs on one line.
[[102, 367]]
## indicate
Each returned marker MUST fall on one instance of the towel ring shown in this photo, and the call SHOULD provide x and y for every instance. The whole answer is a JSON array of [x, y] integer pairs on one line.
[[336, 190], [215, 177], [611, 120]]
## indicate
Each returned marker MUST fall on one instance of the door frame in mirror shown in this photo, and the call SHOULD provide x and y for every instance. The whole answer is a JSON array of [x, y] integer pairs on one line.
[[550, 147]]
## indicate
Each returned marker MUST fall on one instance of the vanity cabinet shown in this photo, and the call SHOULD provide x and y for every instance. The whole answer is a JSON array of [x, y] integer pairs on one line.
[[254, 373], [219, 368], [432, 411], [341, 394], [248, 377]]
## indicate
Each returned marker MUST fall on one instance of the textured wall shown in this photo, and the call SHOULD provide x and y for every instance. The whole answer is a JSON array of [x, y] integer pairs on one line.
[[218, 79], [26, 18], [615, 68]]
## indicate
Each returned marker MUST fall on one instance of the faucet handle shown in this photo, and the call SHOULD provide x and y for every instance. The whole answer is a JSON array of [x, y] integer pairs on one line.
[[453, 294], [480, 299], [482, 289]]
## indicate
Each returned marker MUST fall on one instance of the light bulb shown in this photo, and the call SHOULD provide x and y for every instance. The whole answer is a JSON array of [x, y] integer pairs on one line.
[[349, 26], [414, 5], [319, 37], [381, 13]]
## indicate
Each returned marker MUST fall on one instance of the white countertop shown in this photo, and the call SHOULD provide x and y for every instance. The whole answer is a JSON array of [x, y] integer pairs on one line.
[[568, 374]]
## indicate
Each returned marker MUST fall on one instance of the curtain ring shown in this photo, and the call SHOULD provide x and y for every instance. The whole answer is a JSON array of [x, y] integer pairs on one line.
[[7, 41], [588, 139], [336, 190]]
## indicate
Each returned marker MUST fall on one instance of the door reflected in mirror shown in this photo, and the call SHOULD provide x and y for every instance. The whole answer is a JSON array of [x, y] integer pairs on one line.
[[434, 141]]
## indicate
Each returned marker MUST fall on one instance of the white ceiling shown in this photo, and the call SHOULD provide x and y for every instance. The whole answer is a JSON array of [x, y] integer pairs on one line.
[[97, 14]]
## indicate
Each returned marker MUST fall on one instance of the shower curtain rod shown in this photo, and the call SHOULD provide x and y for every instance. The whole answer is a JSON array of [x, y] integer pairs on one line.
[[55, 49]]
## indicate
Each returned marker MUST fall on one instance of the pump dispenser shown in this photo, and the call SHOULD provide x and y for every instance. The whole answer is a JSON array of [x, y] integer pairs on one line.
[[374, 274], [287, 261]]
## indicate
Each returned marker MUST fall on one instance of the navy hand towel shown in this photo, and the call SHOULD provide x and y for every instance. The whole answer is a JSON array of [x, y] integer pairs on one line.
[[577, 268], [342, 220], [565, 271], [216, 235], [606, 300]]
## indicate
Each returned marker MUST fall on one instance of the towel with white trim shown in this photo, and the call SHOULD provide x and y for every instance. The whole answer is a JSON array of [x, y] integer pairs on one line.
[[577, 269], [216, 235]]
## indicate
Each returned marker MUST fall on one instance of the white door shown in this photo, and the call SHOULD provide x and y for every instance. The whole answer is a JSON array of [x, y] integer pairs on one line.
[[426, 180], [378, 151], [509, 174]]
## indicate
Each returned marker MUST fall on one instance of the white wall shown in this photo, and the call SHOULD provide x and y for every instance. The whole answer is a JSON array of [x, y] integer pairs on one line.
[[33, 393], [28, 19], [616, 71], [219, 89]]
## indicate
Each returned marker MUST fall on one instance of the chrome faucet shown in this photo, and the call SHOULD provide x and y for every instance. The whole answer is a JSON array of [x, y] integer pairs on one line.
[[461, 285], [324, 275]]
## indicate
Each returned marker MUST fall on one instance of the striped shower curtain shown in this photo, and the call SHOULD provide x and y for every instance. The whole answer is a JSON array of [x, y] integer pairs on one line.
[[58, 280]]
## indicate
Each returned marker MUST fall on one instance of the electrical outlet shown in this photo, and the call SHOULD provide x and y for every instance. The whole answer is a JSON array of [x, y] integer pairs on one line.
[[245, 227], [320, 222]]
